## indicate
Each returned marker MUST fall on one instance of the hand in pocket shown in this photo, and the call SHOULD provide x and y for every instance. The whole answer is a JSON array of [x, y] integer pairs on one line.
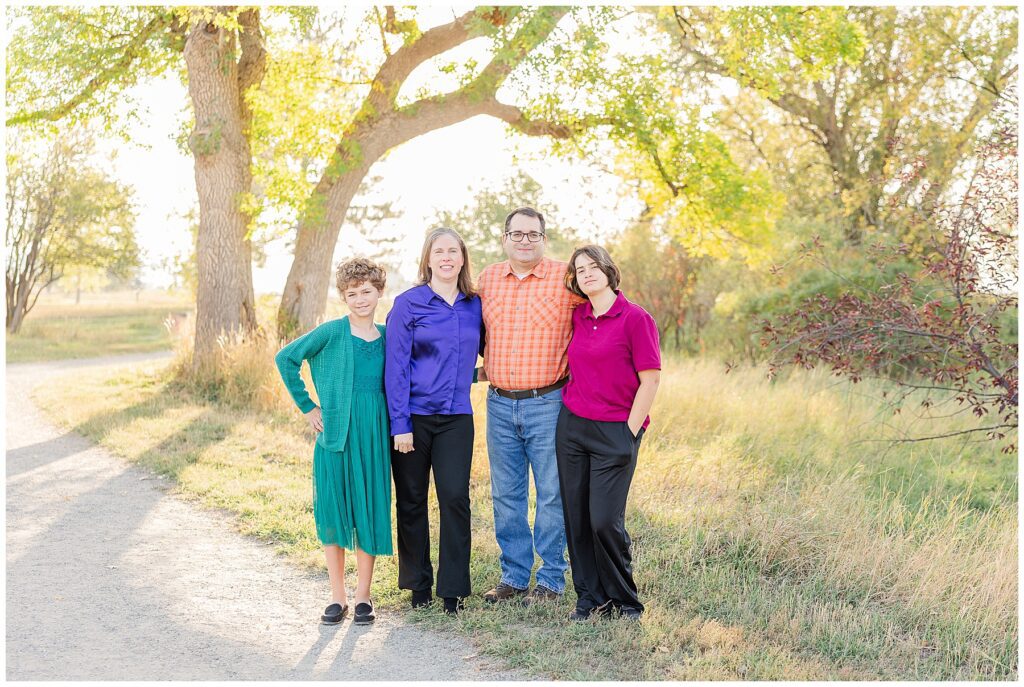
[[316, 419]]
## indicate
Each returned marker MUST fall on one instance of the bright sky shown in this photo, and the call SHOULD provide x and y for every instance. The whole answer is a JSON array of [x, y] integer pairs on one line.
[[440, 170]]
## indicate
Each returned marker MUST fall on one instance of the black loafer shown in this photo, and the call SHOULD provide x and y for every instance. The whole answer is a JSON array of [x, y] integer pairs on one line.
[[364, 614], [453, 604], [583, 614], [631, 614], [580, 615], [333, 614], [421, 598]]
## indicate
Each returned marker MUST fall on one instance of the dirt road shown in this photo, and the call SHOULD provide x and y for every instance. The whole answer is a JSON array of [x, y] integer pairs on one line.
[[111, 577]]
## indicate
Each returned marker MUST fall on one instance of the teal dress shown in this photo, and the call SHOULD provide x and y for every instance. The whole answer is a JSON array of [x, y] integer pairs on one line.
[[351, 459], [352, 488]]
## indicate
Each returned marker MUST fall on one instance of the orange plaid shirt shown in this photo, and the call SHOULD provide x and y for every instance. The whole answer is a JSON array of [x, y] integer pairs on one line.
[[528, 323]]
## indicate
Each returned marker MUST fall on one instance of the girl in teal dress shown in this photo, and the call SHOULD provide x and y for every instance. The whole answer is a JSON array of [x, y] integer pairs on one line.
[[351, 458]]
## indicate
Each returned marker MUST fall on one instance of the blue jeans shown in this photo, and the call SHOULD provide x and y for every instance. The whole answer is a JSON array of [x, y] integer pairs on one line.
[[521, 436]]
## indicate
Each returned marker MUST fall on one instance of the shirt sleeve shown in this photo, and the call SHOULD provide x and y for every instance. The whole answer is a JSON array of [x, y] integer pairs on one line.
[[644, 342], [397, 363], [481, 289], [289, 363], [483, 338]]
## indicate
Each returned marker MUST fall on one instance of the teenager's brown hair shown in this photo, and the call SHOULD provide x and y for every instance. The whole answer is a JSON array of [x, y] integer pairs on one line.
[[604, 263], [357, 270]]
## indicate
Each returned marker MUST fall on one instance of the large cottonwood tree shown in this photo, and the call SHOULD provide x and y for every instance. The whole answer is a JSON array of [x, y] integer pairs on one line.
[[225, 58], [383, 122]]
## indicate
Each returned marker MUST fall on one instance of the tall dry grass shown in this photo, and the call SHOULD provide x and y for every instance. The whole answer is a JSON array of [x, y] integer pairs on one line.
[[787, 479], [244, 376]]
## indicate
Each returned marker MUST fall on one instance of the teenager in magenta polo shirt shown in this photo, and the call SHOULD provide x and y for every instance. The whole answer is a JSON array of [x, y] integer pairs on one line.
[[614, 371]]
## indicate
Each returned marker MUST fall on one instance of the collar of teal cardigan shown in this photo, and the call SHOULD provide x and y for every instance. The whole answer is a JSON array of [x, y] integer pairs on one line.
[[346, 328]]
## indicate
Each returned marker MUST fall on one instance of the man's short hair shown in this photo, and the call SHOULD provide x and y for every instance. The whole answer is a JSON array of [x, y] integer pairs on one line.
[[528, 212]]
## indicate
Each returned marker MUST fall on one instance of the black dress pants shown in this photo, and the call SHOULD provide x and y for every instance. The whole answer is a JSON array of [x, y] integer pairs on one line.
[[596, 461], [444, 444]]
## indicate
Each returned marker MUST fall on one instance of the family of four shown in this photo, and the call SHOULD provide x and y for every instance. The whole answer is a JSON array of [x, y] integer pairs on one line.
[[570, 389]]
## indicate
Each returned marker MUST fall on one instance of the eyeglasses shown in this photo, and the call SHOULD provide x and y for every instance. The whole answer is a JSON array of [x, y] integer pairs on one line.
[[517, 236]]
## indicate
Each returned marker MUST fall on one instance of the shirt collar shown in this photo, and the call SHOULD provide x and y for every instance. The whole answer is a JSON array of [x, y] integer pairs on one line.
[[426, 294], [540, 270], [618, 307]]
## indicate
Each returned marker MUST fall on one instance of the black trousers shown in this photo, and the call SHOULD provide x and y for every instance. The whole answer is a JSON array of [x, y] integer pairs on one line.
[[444, 444], [596, 461]]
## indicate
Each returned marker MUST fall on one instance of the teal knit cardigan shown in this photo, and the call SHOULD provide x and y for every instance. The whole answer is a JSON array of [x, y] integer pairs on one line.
[[331, 356]]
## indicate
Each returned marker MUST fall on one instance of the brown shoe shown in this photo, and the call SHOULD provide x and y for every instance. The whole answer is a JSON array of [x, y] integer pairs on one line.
[[540, 594], [503, 592]]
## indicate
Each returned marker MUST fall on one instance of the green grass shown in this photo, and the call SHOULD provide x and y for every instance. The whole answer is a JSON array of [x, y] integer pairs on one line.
[[54, 331], [773, 537]]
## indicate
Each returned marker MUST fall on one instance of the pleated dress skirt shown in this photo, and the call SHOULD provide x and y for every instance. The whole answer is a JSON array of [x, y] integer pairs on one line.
[[352, 488]]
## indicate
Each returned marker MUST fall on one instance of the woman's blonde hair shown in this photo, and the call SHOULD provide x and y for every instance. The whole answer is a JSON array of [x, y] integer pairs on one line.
[[465, 274]]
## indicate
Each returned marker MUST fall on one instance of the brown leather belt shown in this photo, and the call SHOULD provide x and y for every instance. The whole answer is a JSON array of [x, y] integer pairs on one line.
[[530, 393]]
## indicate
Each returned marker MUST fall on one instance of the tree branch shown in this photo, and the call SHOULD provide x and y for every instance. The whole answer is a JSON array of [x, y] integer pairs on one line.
[[399, 64], [252, 65], [383, 29], [106, 76], [941, 436], [515, 117], [478, 97]]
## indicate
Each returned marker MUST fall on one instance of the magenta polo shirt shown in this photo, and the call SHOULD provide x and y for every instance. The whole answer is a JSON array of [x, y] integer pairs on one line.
[[605, 355]]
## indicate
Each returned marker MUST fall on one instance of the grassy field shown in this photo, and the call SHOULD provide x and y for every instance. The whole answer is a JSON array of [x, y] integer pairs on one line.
[[101, 324], [774, 537]]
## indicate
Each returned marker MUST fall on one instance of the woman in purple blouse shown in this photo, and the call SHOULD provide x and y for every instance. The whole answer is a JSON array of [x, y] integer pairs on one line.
[[614, 371], [433, 340]]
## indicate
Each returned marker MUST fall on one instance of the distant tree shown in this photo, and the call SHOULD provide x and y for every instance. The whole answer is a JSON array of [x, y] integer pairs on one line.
[[909, 85], [940, 330], [62, 214], [182, 265], [373, 219], [482, 222], [659, 274], [85, 278]]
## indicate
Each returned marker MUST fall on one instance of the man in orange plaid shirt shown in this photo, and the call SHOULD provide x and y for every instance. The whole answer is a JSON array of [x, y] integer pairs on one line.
[[527, 314]]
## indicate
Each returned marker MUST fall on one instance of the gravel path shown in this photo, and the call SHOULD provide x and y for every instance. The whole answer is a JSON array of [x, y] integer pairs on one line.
[[110, 577]]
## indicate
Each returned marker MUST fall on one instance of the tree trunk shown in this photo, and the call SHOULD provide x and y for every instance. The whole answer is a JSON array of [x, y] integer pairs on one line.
[[15, 317], [309, 279], [17, 307], [224, 298]]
